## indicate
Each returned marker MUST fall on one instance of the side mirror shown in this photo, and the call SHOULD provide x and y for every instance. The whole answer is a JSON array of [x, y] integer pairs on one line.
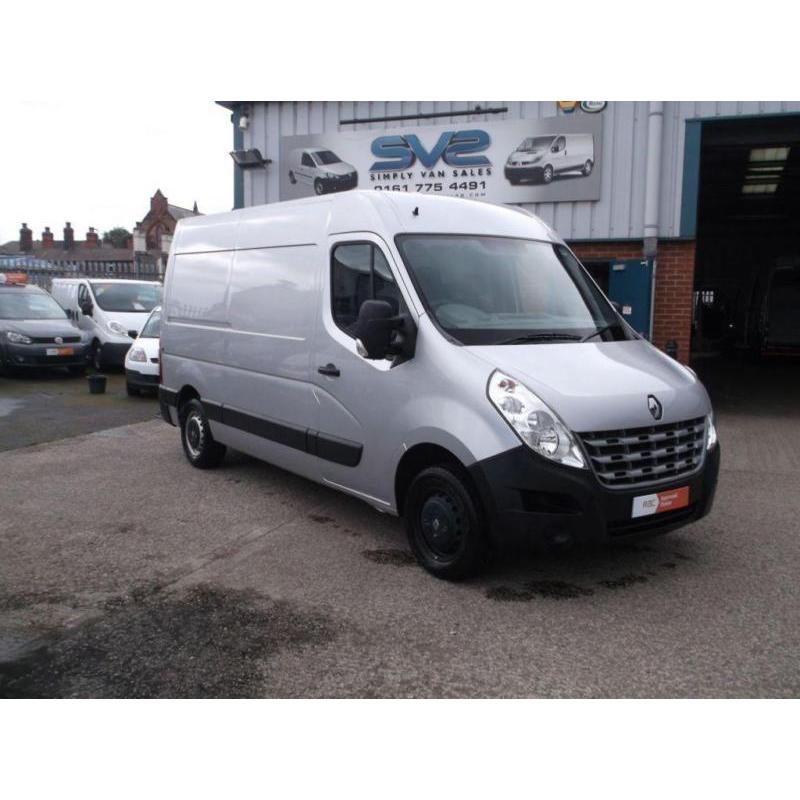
[[87, 308], [554, 149], [380, 334]]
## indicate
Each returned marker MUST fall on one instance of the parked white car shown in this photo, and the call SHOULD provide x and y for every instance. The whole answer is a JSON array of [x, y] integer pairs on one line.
[[323, 169], [111, 311], [541, 158], [141, 361]]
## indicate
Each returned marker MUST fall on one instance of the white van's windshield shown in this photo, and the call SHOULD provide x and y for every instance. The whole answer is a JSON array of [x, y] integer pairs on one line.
[[326, 157], [122, 297], [535, 143], [495, 290]]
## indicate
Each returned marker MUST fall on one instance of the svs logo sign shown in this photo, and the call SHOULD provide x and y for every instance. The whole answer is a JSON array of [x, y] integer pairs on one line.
[[455, 148]]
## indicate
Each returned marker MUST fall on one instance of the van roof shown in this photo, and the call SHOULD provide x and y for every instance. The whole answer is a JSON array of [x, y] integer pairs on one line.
[[387, 214]]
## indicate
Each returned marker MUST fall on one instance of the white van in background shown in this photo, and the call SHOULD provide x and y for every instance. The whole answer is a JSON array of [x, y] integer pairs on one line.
[[322, 169], [111, 310], [541, 158], [443, 359]]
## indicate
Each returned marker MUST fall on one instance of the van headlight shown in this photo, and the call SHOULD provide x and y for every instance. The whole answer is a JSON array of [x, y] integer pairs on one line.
[[711, 432], [18, 338], [116, 328], [137, 354], [533, 421]]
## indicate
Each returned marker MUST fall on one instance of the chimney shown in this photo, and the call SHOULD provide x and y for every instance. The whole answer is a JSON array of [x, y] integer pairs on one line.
[[25, 238], [92, 239], [69, 237], [47, 237], [194, 208]]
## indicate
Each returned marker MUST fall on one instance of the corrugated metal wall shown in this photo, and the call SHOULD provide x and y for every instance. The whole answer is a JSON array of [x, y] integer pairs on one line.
[[619, 214]]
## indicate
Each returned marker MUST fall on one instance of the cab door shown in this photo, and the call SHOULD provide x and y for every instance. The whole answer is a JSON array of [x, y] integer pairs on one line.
[[85, 322], [357, 432], [307, 168], [559, 157]]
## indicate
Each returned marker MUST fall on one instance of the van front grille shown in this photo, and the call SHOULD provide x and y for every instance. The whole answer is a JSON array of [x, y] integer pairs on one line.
[[635, 456]]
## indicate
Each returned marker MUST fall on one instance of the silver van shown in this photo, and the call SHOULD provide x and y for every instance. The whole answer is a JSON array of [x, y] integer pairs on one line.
[[541, 158], [322, 170], [442, 359]]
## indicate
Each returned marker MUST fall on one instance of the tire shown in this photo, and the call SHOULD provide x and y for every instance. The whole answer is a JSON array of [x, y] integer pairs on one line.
[[292, 178], [132, 391], [97, 356], [445, 527], [198, 444], [587, 168], [319, 188], [77, 370], [547, 174]]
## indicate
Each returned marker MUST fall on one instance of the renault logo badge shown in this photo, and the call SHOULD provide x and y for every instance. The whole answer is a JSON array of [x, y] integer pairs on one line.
[[59, 340], [655, 408]]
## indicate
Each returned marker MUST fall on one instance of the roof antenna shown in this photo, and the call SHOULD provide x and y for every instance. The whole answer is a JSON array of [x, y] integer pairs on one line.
[[415, 212]]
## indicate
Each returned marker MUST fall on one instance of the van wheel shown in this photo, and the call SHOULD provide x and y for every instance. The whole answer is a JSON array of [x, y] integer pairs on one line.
[[444, 525], [547, 174], [198, 444], [133, 391], [318, 186], [78, 370], [587, 167], [292, 178]]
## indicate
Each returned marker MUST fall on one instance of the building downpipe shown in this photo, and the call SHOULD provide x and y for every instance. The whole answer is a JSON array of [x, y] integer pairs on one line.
[[655, 128]]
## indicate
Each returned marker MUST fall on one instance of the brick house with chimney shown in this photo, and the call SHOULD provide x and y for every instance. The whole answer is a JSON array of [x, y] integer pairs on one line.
[[145, 253]]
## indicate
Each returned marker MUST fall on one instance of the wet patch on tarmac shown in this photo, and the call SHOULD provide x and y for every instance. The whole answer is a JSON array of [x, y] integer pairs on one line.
[[204, 642], [624, 581], [555, 590], [320, 518], [395, 557]]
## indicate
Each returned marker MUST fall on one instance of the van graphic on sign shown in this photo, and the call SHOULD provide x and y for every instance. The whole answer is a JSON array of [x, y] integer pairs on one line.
[[322, 170], [541, 159]]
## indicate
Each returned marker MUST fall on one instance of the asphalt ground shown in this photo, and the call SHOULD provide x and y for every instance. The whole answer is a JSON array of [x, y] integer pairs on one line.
[[45, 405], [126, 573]]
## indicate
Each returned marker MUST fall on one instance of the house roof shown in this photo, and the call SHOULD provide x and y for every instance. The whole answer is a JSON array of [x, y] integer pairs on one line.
[[77, 253]]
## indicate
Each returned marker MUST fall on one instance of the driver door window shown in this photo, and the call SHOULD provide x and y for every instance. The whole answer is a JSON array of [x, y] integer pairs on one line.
[[360, 272], [306, 160]]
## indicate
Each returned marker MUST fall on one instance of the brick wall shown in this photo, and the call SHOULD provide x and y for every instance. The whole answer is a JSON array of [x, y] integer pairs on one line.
[[672, 316]]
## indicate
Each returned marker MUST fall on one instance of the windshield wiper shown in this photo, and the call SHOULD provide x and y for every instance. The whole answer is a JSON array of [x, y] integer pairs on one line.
[[540, 337], [600, 331]]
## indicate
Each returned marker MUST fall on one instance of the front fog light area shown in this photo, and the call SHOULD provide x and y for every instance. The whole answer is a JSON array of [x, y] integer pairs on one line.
[[533, 421]]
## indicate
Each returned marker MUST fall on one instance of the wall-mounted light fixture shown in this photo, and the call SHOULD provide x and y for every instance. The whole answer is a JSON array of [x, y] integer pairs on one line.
[[244, 121], [249, 159]]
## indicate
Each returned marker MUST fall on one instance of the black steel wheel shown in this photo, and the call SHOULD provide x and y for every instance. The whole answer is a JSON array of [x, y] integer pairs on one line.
[[198, 444], [588, 167], [444, 524]]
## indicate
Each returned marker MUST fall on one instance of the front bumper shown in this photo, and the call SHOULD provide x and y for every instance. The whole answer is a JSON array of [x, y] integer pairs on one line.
[[113, 354], [35, 355], [527, 498], [141, 380], [340, 183], [527, 172]]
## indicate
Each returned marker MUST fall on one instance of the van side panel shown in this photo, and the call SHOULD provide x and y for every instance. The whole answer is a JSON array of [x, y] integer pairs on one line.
[[196, 305], [271, 311]]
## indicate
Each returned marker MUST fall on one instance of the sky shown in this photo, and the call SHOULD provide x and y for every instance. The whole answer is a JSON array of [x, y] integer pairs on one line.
[[98, 163]]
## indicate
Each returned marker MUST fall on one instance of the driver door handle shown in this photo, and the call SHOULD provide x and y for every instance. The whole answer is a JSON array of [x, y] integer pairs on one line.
[[329, 369]]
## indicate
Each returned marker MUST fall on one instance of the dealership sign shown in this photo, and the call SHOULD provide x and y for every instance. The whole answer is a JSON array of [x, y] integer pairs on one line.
[[516, 161]]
